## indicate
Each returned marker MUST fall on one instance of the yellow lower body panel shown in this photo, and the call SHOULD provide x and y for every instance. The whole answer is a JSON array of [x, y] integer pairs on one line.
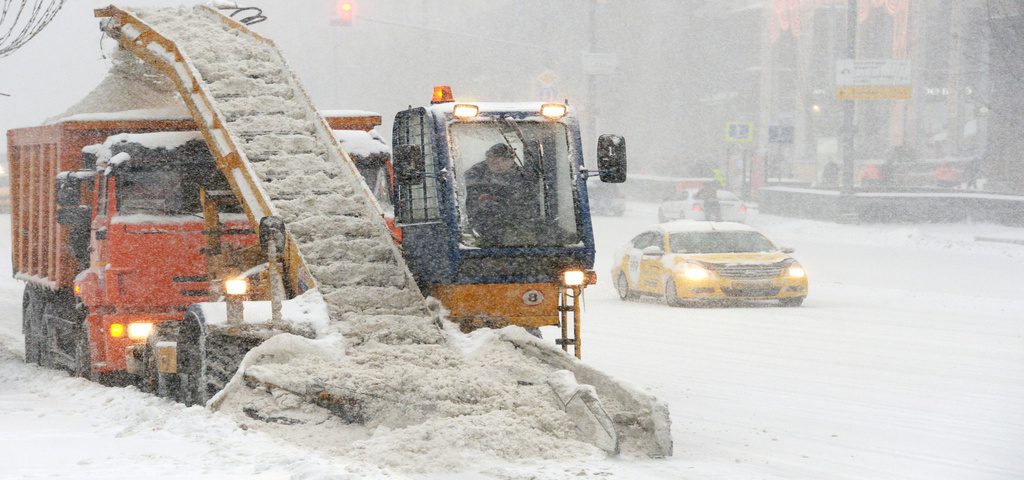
[[495, 305]]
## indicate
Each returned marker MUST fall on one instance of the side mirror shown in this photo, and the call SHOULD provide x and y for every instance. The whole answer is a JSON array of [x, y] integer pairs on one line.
[[787, 249], [74, 217], [652, 251], [611, 158], [69, 190], [408, 164]]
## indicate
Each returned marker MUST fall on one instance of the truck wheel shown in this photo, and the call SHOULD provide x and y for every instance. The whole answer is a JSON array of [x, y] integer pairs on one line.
[[193, 384], [32, 316], [224, 353], [83, 355], [147, 380]]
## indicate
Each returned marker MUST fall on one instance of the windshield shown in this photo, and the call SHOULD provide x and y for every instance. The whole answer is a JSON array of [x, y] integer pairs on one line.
[[720, 242], [514, 184], [166, 190]]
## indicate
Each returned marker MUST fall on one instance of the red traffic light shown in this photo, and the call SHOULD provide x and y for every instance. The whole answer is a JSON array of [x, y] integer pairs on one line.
[[345, 11]]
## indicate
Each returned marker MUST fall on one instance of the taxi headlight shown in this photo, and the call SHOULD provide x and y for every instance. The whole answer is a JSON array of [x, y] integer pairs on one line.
[[138, 331], [573, 278], [236, 286], [695, 272], [796, 271]]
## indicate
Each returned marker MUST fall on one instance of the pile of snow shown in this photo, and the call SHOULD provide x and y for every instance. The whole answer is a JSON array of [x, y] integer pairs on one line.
[[132, 91]]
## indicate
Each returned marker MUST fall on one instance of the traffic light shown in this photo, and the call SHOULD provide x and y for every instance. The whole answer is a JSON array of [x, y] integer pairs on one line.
[[345, 11]]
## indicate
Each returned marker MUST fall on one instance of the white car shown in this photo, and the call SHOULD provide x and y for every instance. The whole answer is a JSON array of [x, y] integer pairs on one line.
[[689, 207]]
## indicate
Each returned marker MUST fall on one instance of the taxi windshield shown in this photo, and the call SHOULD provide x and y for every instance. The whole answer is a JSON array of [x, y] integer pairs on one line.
[[720, 242], [514, 183]]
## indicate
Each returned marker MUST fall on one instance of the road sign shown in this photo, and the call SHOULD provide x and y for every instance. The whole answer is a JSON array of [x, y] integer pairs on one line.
[[739, 132], [878, 79], [780, 134]]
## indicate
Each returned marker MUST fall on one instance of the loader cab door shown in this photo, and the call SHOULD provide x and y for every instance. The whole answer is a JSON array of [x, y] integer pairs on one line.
[[418, 205]]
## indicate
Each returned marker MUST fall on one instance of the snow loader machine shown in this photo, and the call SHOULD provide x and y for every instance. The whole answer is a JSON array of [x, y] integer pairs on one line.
[[514, 247], [238, 259]]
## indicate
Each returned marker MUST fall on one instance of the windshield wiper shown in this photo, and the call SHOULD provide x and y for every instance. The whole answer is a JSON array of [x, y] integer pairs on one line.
[[511, 126]]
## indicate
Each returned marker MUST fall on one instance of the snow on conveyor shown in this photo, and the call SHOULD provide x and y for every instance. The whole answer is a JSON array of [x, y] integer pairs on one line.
[[412, 389]]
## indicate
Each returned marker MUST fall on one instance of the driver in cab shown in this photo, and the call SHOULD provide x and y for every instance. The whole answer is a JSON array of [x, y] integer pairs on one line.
[[498, 198]]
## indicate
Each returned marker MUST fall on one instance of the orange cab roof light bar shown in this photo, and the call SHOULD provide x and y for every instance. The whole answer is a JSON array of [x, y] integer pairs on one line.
[[442, 94]]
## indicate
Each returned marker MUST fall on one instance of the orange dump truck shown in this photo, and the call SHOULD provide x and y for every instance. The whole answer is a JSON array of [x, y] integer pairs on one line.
[[111, 233]]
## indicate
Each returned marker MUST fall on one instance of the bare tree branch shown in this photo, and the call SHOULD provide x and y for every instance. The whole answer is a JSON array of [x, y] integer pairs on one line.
[[21, 20]]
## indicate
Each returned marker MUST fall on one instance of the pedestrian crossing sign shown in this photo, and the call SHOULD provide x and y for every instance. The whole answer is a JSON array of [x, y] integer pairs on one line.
[[739, 132]]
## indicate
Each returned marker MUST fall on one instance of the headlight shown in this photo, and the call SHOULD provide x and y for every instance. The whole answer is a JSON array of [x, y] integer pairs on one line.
[[464, 110], [236, 286], [554, 111], [796, 271], [138, 331], [695, 272], [573, 278]]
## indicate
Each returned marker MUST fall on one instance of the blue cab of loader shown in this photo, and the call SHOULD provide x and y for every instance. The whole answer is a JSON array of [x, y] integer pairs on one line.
[[491, 200]]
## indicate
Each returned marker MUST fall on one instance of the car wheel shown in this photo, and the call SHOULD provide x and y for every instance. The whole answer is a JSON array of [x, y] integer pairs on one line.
[[622, 286], [791, 301], [671, 295]]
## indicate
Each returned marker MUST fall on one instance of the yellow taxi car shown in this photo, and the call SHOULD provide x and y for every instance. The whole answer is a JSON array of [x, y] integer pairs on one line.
[[686, 260]]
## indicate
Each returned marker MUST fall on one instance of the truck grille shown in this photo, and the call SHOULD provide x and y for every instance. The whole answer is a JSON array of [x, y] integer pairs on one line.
[[756, 271]]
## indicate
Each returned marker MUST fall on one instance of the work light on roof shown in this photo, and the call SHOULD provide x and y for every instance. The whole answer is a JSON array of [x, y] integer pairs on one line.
[[465, 110], [554, 111], [442, 94]]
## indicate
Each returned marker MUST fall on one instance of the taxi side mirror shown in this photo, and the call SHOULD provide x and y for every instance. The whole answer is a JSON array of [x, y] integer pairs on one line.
[[611, 158], [408, 164]]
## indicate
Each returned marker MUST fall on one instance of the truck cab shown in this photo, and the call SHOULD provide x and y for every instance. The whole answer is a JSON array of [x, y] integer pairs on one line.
[[140, 235], [498, 242]]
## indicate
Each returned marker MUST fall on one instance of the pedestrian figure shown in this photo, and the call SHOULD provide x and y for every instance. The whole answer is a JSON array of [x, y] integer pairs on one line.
[[708, 194]]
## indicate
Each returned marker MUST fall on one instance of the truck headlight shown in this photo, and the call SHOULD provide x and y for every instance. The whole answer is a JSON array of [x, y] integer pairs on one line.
[[236, 286], [796, 271], [695, 272], [139, 331], [573, 278]]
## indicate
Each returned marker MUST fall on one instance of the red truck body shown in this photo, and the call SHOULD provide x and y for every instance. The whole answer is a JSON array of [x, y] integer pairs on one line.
[[142, 269]]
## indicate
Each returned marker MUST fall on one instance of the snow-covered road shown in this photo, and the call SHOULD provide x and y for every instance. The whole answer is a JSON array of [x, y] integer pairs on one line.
[[906, 362]]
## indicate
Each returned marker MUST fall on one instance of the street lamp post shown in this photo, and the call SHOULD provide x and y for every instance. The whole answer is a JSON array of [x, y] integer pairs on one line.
[[849, 108]]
